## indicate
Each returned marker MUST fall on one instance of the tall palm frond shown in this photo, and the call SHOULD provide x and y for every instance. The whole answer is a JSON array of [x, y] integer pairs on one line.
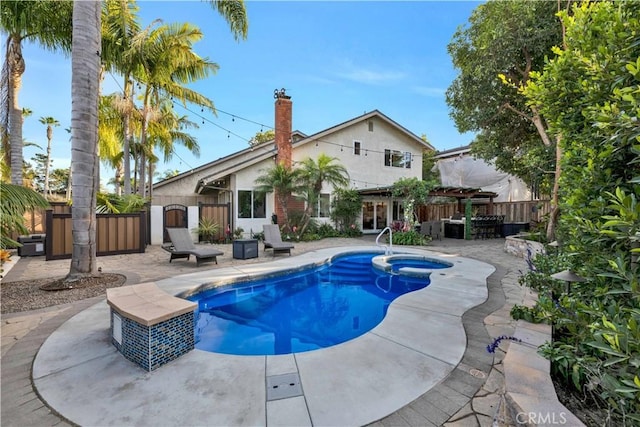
[[235, 13], [46, 23]]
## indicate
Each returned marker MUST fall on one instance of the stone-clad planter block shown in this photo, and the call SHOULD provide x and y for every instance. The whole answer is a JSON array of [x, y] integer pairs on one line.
[[150, 327]]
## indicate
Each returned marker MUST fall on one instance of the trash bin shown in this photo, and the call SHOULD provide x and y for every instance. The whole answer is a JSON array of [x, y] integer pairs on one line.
[[32, 245]]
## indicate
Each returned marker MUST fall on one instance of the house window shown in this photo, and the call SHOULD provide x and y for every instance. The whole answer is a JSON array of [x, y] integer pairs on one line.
[[321, 209], [370, 125], [397, 159], [356, 147], [251, 204], [398, 211]]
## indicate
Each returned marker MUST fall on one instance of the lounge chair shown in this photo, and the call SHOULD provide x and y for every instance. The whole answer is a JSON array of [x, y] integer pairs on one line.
[[182, 247], [273, 239]]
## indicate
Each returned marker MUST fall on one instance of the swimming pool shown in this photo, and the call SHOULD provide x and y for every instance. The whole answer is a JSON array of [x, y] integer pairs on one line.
[[301, 311]]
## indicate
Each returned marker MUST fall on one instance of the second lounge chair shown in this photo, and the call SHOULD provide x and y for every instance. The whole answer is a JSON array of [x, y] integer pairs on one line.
[[183, 247], [273, 239]]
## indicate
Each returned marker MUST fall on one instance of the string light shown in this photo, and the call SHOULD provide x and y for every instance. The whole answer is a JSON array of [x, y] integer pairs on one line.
[[262, 127]]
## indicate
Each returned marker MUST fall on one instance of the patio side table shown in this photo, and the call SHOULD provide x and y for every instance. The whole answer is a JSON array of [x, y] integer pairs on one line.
[[245, 248]]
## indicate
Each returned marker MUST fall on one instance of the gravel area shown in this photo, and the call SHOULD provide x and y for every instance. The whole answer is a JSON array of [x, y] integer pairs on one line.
[[29, 295]]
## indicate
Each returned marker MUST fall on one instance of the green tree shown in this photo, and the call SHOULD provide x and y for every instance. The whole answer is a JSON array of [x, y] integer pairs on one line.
[[47, 23], [428, 165], [589, 94], [111, 135], [49, 122], [262, 137], [235, 13], [346, 206], [168, 65], [413, 192], [496, 54], [120, 25], [59, 180], [284, 182], [85, 83], [168, 129], [41, 163], [313, 175], [169, 173]]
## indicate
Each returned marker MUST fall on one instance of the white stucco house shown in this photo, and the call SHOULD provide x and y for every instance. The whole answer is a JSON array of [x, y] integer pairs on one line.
[[375, 150]]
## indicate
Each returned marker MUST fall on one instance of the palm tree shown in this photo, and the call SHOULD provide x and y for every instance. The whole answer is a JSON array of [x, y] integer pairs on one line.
[[50, 122], [47, 23], [121, 30], [85, 83], [282, 180], [119, 27], [314, 175], [110, 134], [235, 13], [169, 63], [165, 131]]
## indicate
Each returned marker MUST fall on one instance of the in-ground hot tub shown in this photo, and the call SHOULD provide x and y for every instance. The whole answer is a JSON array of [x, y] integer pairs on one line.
[[408, 264]]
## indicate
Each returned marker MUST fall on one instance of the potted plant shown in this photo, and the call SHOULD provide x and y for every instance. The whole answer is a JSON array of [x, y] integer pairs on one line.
[[207, 229], [237, 233]]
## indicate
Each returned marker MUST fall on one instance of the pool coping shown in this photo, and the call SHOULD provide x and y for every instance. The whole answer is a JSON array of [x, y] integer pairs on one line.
[[52, 376]]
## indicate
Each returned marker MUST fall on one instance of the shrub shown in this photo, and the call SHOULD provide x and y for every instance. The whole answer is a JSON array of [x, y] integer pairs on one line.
[[409, 238]]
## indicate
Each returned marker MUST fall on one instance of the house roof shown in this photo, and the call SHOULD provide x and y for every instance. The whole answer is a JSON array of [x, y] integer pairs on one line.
[[453, 152], [242, 159]]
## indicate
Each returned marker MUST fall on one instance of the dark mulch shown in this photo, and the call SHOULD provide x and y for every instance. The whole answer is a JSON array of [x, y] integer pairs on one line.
[[34, 294], [588, 408]]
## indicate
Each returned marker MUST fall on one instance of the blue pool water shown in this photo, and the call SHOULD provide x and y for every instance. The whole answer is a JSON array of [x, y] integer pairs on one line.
[[299, 311]]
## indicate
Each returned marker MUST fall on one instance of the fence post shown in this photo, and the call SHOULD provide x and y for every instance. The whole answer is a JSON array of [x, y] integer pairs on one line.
[[48, 237], [143, 230]]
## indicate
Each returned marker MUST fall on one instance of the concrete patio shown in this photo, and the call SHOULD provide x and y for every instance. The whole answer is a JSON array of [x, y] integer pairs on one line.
[[393, 375]]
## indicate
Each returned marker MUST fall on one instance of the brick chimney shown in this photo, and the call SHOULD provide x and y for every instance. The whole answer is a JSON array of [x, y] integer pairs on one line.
[[283, 125]]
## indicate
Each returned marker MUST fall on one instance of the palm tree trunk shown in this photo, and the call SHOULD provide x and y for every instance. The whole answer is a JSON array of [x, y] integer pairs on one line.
[[151, 169], [16, 64], [118, 179], [47, 191], [68, 195], [85, 82], [126, 156]]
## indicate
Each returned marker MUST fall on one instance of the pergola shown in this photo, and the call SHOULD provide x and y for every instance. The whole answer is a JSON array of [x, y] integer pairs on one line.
[[463, 193], [459, 193]]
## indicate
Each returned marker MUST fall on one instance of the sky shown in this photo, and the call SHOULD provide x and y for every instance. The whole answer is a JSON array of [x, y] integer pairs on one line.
[[336, 59]]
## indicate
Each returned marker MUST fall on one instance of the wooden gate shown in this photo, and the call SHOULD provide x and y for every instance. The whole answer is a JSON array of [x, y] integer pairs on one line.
[[221, 215], [175, 216]]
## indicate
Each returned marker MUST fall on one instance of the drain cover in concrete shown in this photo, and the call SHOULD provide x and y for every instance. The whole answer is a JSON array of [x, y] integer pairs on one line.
[[283, 386]]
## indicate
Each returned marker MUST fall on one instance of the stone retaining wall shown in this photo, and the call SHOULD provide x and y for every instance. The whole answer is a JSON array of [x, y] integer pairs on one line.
[[517, 245]]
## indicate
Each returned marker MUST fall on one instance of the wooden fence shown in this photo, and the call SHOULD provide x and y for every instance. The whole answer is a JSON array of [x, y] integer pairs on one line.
[[527, 211], [35, 220], [115, 234], [220, 213]]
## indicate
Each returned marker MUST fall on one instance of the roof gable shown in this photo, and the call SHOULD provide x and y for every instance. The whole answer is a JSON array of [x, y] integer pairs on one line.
[[252, 155]]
